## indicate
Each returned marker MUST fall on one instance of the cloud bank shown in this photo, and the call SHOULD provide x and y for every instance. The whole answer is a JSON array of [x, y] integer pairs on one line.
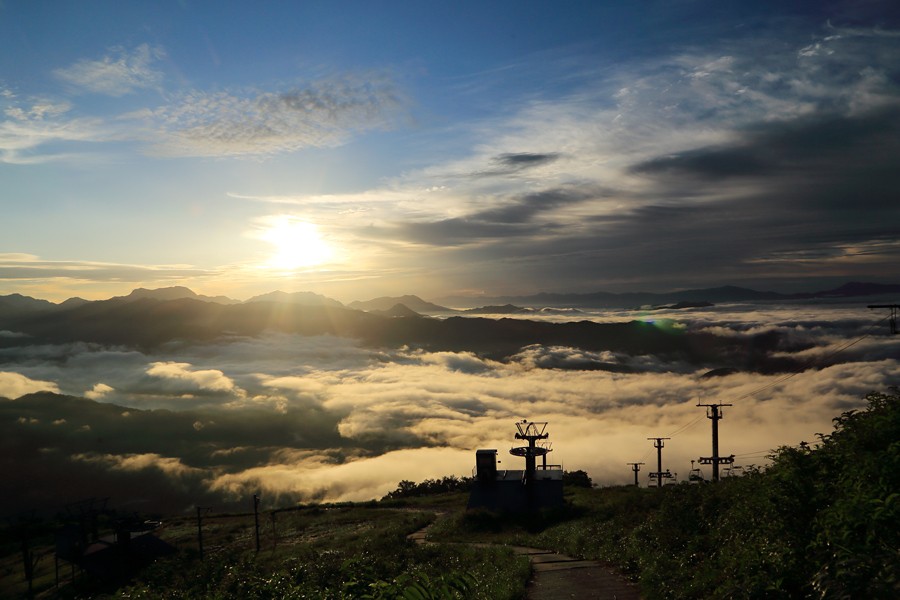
[[300, 419]]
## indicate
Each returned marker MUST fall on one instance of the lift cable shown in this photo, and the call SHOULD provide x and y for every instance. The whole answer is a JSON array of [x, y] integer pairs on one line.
[[813, 361], [784, 378]]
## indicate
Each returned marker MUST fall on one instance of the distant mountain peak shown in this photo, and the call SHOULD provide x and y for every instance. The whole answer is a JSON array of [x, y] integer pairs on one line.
[[386, 303], [175, 292], [398, 310], [304, 298]]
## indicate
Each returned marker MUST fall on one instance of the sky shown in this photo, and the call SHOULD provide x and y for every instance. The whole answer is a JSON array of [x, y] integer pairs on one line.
[[362, 149]]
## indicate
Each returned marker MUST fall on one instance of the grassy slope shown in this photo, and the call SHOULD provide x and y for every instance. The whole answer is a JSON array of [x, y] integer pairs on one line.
[[328, 551], [821, 522]]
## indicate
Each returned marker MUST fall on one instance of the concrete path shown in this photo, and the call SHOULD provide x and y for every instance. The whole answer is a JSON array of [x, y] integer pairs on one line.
[[558, 577]]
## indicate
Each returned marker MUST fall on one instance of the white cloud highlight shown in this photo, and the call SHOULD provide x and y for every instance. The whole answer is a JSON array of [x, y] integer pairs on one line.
[[98, 391], [209, 379], [116, 74], [14, 385]]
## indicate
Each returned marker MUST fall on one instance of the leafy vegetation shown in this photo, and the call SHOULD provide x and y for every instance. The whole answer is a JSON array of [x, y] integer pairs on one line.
[[821, 522], [430, 487], [315, 552], [576, 479]]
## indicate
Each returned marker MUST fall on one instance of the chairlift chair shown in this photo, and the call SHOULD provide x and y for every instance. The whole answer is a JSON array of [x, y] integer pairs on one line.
[[695, 476]]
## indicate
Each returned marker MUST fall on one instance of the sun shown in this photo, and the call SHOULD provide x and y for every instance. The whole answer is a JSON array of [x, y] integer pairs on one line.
[[297, 244]]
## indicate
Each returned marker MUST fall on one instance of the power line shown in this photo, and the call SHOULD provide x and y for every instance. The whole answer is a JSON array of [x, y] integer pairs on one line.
[[684, 428], [796, 371], [810, 363]]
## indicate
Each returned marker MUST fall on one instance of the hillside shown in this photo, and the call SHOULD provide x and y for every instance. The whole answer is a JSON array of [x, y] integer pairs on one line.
[[823, 521], [412, 302]]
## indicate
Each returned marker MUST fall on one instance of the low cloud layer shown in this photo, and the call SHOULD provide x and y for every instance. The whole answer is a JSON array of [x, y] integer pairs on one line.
[[300, 419]]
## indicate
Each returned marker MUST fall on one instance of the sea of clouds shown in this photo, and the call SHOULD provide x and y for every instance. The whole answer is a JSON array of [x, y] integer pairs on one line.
[[300, 419]]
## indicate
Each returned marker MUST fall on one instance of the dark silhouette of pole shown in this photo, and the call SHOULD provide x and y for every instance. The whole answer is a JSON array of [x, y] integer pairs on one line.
[[636, 467], [658, 444], [894, 308], [715, 460], [201, 511], [256, 518], [274, 535]]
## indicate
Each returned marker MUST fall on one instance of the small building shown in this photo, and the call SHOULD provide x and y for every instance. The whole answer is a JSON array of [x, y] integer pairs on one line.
[[529, 489]]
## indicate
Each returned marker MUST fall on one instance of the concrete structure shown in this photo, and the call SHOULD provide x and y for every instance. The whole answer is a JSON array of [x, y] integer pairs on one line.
[[530, 489]]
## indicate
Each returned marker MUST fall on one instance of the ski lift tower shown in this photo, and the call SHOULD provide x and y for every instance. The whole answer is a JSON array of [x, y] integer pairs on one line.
[[532, 432], [534, 488]]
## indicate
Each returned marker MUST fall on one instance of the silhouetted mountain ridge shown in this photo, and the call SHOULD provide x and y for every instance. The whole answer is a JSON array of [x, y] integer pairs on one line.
[[175, 293], [398, 310], [304, 298], [717, 295], [147, 324], [412, 302]]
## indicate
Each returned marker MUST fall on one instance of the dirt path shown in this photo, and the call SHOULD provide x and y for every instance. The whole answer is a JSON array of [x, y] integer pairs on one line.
[[557, 576]]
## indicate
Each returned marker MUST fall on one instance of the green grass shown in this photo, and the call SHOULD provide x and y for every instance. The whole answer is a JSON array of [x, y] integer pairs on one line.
[[822, 522], [322, 551]]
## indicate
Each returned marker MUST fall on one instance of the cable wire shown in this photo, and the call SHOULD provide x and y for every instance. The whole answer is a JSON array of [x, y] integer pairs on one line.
[[796, 371]]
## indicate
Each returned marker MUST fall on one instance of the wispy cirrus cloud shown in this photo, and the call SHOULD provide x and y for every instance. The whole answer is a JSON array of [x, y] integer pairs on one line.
[[323, 113], [118, 73], [19, 266], [32, 123]]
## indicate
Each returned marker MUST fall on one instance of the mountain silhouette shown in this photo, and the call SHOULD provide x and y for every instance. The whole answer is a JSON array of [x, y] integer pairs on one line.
[[398, 310], [718, 295], [412, 302], [304, 298], [175, 293]]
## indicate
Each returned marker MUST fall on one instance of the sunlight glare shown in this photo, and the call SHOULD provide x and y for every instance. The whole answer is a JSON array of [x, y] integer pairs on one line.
[[297, 244]]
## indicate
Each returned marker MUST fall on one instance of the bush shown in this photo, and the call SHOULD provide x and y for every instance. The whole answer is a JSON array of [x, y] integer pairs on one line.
[[576, 479], [430, 487]]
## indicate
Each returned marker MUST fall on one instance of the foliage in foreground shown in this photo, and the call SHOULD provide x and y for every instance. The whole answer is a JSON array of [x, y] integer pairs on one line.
[[430, 487], [382, 565], [821, 522]]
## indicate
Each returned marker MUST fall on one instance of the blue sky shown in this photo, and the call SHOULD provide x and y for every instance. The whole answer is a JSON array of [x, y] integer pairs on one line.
[[359, 149]]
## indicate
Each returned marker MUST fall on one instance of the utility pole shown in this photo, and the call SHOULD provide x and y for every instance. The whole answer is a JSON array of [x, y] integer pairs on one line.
[[635, 467], [894, 308], [274, 535], [658, 444], [715, 460], [256, 518], [201, 512], [22, 525]]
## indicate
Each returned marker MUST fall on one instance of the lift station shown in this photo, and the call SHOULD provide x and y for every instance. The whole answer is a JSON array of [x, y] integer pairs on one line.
[[534, 488]]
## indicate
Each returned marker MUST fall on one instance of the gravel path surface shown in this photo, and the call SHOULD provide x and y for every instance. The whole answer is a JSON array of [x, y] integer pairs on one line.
[[558, 577]]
